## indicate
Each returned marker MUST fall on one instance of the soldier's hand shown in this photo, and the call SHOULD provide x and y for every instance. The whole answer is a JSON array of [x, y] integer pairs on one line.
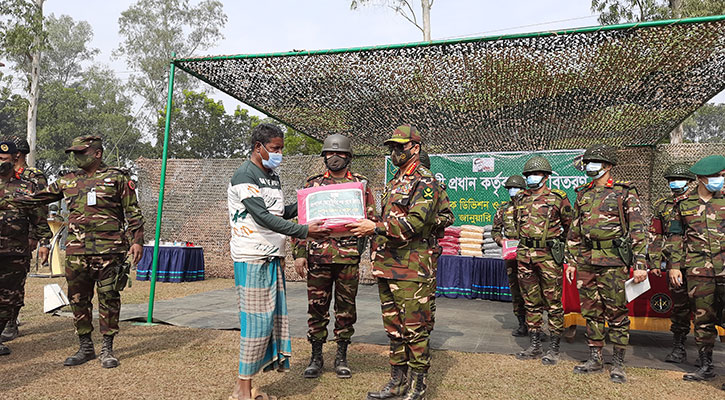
[[301, 267], [640, 275], [136, 251], [43, 253], [570, 273], [656, 272], [362, 227], [675, 277], [316, 231]]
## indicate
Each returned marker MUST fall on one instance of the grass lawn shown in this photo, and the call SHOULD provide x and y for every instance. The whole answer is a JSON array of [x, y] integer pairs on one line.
[[166, 362]]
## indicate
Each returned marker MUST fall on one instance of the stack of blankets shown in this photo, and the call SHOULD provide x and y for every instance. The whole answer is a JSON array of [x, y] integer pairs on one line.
[[450, 241], [471, 240], [490, 248]]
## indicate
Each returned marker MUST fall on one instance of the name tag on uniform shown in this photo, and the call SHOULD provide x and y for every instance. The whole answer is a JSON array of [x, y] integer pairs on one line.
[[91, 197]]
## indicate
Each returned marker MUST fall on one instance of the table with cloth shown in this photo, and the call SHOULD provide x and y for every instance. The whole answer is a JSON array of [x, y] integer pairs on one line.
[[176, 264]]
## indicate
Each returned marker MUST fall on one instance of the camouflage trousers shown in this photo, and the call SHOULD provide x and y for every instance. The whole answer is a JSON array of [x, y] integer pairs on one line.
[[83, 273], [406, 317], [708, 297], [512, 270], [320, 281], [681, 308], [602, 299], [13, 271], [541, 286]]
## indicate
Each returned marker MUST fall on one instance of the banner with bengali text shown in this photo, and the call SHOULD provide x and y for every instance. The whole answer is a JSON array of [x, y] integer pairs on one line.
[[475, 181]]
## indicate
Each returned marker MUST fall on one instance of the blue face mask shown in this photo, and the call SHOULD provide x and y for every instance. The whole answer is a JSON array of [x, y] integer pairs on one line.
[[514, 191], [715, 183], [534, 181], [274, 161], [677, 185]]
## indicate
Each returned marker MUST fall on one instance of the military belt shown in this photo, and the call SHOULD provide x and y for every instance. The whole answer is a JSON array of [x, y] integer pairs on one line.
[[601, 244], [537, 243]]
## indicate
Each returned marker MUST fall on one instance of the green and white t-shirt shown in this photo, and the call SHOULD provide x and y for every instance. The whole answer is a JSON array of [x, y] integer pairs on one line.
[[258, 216]]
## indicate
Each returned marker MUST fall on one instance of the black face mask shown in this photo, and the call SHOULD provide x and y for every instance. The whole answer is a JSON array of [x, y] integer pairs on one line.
[[336, 163], [6, 168], [399, 156]]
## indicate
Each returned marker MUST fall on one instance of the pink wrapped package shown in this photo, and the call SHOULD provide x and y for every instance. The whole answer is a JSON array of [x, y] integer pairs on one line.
[[334, 205], [509, 249]]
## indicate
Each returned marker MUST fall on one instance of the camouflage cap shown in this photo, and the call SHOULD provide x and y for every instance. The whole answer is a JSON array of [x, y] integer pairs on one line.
[[83, 142], [20, 143], [537, 164], [679, 171], [8, 147], [424, 158], [709, 165], [404, 134], [600, 152], [515, 181]]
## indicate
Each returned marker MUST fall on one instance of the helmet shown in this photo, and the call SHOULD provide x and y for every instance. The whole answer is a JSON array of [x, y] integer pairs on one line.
[[21, 143], [600, 152], [337, 142], [679, 171], [515, 181], [537, 164], [424, 158]]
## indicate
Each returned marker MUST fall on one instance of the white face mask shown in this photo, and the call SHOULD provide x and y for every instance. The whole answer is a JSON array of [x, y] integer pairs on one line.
[[595, 170], [534, 181]]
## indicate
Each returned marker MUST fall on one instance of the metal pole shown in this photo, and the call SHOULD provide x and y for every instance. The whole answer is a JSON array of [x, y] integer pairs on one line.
[[155, 263]]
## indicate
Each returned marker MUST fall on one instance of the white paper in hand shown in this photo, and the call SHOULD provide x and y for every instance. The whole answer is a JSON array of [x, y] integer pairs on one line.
[[633, 290]]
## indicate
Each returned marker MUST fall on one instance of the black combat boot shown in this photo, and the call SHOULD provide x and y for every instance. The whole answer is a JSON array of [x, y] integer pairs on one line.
[[534, 349], [552, 355], [522, 329], [84, 354], [108, 360], [314, 369], [416, 387], [4, 350], [678, 354], [11, 329], [341, 368], [593, 364], [397, 385], [706, 370], [617, 374]]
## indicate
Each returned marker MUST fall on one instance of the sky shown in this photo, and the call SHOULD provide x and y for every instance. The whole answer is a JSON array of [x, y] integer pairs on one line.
[[259, 26]]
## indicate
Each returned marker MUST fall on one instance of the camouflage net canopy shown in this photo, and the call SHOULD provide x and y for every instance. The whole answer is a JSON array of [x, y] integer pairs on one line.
[[622, 85]]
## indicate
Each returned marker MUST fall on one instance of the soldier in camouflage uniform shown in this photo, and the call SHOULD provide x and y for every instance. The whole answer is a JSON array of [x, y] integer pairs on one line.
[[696, 244], [606, 237], [444, 218], [543, 217], [403, 264], [18, 227], [679, 178], [505, 227], [332, 262], [23, 171], [101, 203]]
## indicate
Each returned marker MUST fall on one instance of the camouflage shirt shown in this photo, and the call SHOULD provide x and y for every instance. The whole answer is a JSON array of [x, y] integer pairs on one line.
[[660, 225], [342, 250], [41, 182], [403, 249], [444, 215], [596, 221], [98, 228], [504, 222], [17, 223], [697, 235], [541, 217]]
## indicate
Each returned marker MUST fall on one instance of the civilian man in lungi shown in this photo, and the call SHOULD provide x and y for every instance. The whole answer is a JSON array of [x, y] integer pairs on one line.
[[258, 219], [333, 261], [402, 263]]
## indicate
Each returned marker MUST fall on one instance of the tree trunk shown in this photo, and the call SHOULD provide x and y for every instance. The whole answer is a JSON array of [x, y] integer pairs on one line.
[[676, 7], [676, 136], [34, 94], [425, 5]]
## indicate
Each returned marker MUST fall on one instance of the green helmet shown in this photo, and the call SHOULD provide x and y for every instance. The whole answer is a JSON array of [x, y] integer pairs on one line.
[[600, 152], [537, 164], [679, 171], [337, 142], [424, 158], [515, 181]]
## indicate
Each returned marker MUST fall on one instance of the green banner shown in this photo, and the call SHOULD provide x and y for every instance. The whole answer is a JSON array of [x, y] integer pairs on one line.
[[475, 181]]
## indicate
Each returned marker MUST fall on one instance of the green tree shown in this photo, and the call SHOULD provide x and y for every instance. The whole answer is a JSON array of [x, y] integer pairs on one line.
[[201, 128], [151, 30], [405, 9], [297, 143], [706, 125], [68, 47]]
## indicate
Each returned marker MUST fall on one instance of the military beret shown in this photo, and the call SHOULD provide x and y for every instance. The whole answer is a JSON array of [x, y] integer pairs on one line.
[[8, 147], [404, 134], [83, 142], [709, 165]]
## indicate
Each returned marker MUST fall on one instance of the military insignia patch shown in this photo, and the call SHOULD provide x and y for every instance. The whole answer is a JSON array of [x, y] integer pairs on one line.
[[4, 147], [132, 185], [428, 193], [661, 303]]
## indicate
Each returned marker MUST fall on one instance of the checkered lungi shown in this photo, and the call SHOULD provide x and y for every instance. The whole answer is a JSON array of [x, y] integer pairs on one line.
[[265, 339]]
